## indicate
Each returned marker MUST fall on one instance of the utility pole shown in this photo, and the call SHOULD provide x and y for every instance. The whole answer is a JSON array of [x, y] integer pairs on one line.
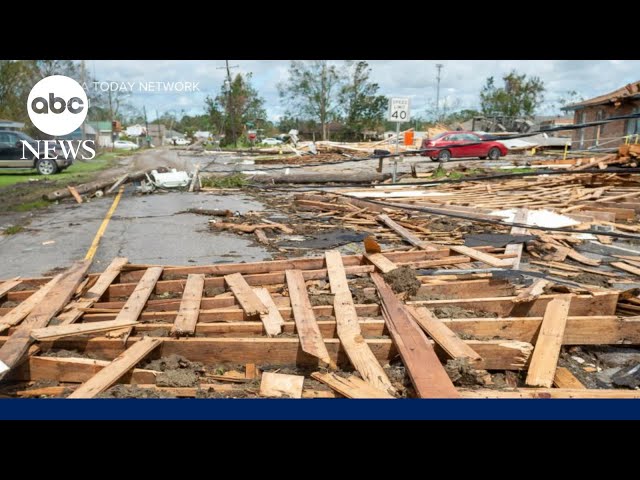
[[146, 124], [160, 139], [439, 67], [233, 118]]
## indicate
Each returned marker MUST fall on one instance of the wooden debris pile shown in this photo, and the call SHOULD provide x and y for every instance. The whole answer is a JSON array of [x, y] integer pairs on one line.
[[627, 155], [376, 325]]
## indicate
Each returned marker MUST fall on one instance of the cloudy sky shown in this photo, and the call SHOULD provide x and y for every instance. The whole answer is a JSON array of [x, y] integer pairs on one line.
[[460, 85]]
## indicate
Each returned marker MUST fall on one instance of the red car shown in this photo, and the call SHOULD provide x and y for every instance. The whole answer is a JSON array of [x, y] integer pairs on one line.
[[448, 145]]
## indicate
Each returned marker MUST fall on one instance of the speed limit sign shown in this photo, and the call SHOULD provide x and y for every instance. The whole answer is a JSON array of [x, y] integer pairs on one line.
[[399, 109]]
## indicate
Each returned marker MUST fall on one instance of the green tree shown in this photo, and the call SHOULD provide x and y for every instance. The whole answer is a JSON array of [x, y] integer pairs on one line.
[[520, 96], [16, 80], [312, 91], [363, 109], [568, 98], [240, 103]]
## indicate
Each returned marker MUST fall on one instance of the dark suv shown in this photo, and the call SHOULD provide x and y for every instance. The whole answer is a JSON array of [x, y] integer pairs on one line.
[[11, 154]]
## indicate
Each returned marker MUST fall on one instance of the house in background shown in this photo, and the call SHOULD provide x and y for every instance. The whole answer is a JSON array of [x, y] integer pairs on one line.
[[157, 134], [89, 132], [103, 133], [170, 135], [135, 131], [10, 125], [623, 101]]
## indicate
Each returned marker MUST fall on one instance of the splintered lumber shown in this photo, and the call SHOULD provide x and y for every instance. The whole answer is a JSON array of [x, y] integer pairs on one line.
[[565, 379], [405, 234], [425, 370], [118, 182], [272, 320], [381, 262], [116, 369], [571, 253], [481, 256], [261, 236], [521, 216], [308, 330], [194, 179], [138, 299], [74, 193], [348, 327], [350, 387], [544, 359], [60, 331], [250, 371], [246, 297], [18, 344], [94, 294], [8, 285], [19, 312], [281, 385], [626, 267], [532, 292], [185, 323], [336, 177], [75, 370], [448, 340], [90, 187]]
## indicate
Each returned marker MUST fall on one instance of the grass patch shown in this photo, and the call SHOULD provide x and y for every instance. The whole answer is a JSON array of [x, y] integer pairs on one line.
[[516, 170], [237, 180], [77, 172], [36, 204], [13, 230], [440, 172]]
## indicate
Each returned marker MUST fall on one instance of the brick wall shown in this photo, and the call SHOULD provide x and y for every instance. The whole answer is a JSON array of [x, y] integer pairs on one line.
[[608, 130]]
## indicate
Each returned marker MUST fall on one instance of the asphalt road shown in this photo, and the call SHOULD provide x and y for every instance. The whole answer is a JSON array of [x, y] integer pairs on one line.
[[145, 229]]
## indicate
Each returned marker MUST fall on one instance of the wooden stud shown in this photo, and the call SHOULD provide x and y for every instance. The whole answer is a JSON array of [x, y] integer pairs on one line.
[[350, 387], [246, 297], [187, 318], [272, 320], [280, 385], [110, 374], [565, 379], [544, 359]]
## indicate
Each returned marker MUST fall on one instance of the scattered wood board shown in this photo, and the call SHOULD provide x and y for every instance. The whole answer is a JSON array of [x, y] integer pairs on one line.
[[406, 234], [482, 256], [74, 193], [18, 344], [425, 370], [110, 374], [565, 379], [21, 311], [272, 320], [448, 340], [626, 267], [246, 297], [348, 327], [544, 359], [281, 385], [8, 285], [308, 331], [187, 318], [350, 387], [532, 292], [61, 331], [381, 262]]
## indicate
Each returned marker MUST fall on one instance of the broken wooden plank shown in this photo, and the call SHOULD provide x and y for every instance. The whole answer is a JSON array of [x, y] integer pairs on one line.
[[17, 345], [544, 359], [308, 331], [448, 340], [61, 331], [425, 370], [521, 216], [75, 370], [482, 256], [281, 385], [350, 387], [565, 379], [261, 236], [348, 327], [626, 267], [250, 371], [578, 257], [138, 299], [381, 262], [187, 318], [18, 313], [406, 234], [93, 295], [246, 297], [532, 292], [74, 193], [116, 369], [194, 179], [272, 320], [8, 285], [118, 182]]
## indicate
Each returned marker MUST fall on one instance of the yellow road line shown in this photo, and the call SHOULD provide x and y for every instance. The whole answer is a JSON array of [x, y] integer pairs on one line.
[[103, 227]]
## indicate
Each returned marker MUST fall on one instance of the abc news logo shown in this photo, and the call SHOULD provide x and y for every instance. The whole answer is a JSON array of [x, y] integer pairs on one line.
[[58, 106]]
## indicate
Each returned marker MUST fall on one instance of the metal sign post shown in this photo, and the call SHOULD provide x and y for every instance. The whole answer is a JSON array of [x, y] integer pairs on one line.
[[399, 111]]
